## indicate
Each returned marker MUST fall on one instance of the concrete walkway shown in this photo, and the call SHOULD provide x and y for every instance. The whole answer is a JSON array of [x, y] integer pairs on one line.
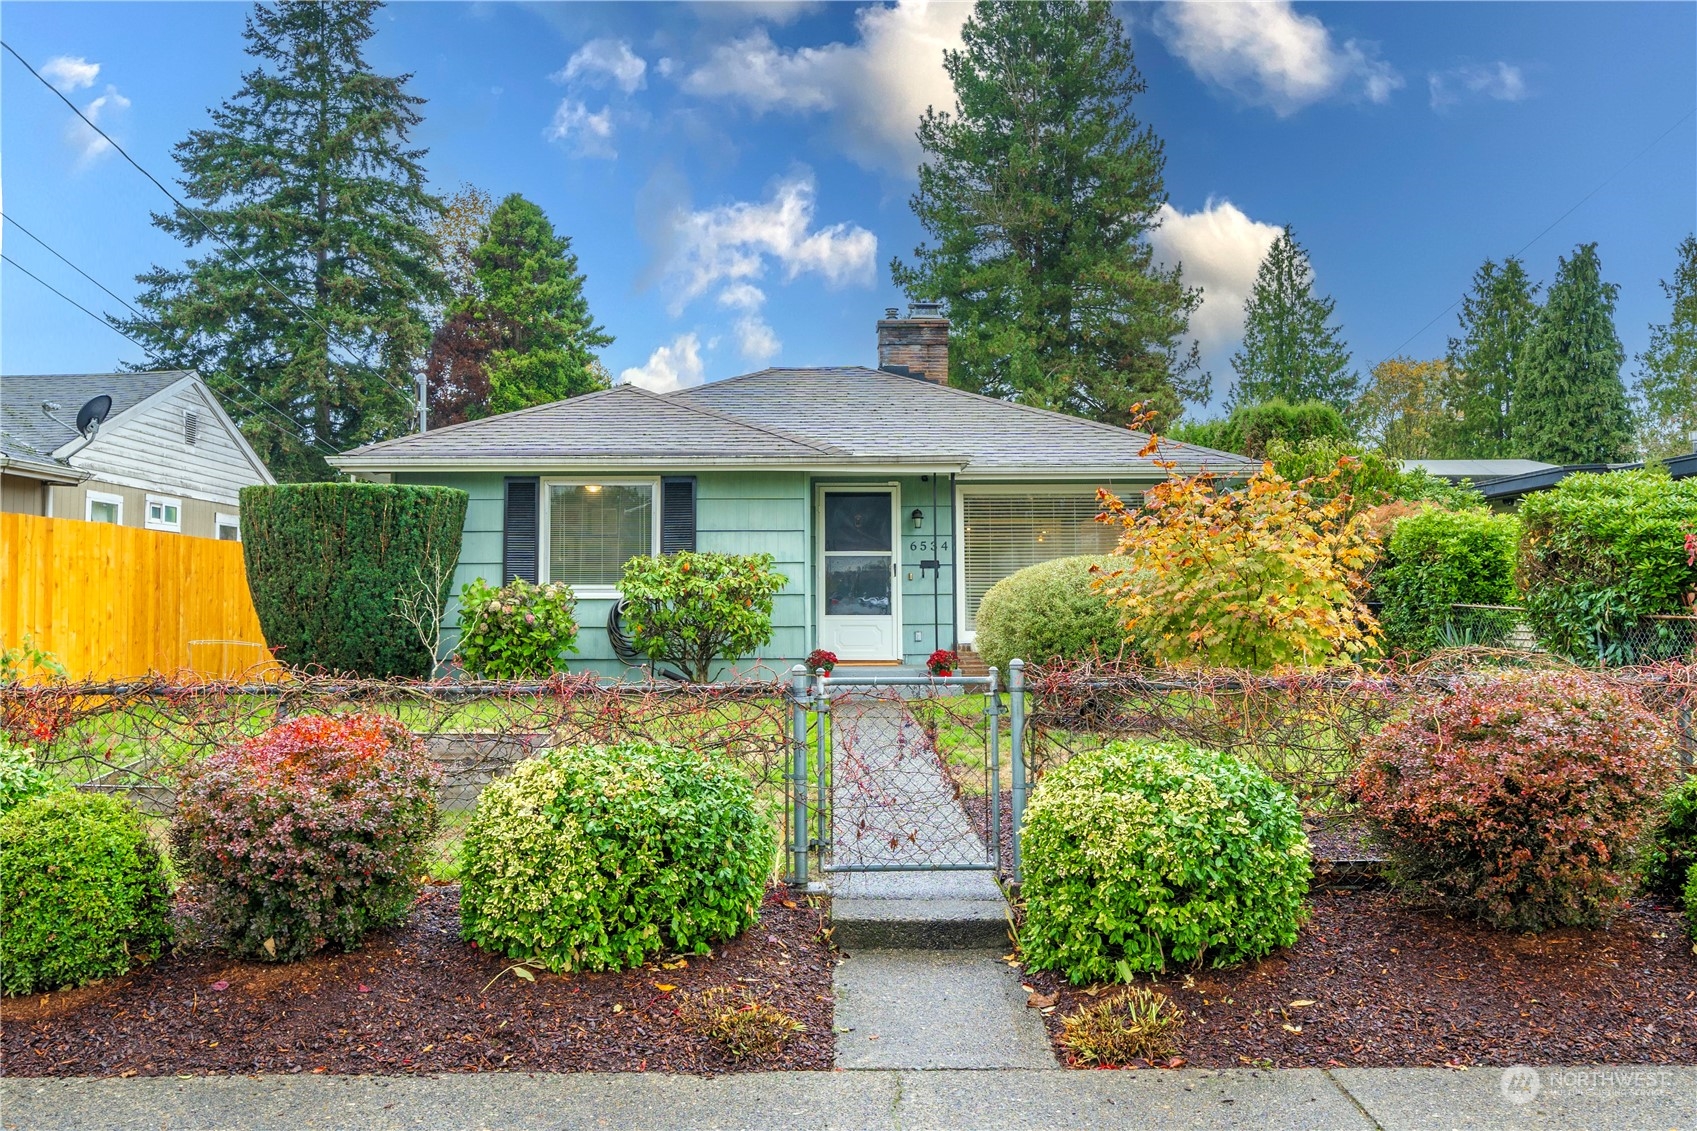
[[1647, 1099]]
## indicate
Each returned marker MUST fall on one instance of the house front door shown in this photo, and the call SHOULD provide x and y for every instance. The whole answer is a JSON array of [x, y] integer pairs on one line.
[[857, 586]]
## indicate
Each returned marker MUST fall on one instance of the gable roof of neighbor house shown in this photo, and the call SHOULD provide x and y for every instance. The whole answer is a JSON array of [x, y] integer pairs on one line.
[[26, 430], [825, 417], [1479, 471]]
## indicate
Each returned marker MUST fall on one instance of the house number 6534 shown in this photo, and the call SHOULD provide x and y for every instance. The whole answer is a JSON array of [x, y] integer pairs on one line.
[[928, 544]]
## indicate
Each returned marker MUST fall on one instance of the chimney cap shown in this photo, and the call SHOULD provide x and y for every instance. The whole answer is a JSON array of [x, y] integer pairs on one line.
[[891, 312], [924, 310]]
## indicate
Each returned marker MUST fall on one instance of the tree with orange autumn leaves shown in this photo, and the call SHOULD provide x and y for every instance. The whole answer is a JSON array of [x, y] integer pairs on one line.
[[1267, 576]]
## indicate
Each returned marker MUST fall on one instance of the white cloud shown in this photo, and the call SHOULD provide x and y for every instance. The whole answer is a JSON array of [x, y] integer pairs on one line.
[[88, 143], [771, 11], [1501, 81], [590, 135], [734, 243], [70, 72], [1268, 54], [669, 368], [1219, 249], [606, 60], [756, 341], [742, 296], [875, 89]]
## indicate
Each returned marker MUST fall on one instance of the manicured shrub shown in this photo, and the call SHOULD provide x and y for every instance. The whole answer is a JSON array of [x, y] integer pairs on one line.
[[1053, 610], [695, 610], [83, 892], [519, 631], [1250, 428], [1673, 842], [1599, 553], [309, 835], [329, 565], [1435, 559], [599, 858], [1145, 855], [20, 778], [1521, 801]]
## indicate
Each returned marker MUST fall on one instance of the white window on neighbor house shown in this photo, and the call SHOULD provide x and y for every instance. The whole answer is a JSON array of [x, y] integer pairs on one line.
[[227, 528], [591, 528], [1004, 530], [164, 513], [102, 507]]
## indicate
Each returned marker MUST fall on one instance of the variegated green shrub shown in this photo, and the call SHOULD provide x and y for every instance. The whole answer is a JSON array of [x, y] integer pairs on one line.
[[599, 858], [1146, 855]]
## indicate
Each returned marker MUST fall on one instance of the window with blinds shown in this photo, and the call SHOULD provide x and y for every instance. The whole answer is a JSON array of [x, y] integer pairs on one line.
[[1002, 534], [594, 528]]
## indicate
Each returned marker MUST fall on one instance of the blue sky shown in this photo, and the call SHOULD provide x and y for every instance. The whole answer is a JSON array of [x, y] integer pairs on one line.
[[735, 177]]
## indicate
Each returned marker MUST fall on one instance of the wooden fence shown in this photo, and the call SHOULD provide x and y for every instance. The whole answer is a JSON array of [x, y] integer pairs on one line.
[[115, 602]]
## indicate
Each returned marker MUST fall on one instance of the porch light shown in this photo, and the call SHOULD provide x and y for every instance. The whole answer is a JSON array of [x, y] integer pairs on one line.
[[918, 517], [592, 488]]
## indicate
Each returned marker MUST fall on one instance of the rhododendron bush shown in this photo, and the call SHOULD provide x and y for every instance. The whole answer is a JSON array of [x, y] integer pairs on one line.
[[1522, 800], [310, 835]]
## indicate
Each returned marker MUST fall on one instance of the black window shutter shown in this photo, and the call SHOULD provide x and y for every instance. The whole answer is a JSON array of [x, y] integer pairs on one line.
[[520, 538], [677, 514]]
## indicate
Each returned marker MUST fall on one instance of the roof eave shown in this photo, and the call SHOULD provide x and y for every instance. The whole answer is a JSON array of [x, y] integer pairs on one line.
[[379, 462]]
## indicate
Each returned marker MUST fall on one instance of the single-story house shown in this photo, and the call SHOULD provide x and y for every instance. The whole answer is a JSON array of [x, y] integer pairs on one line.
[[889, 500], [162, 453], [1504, 482]]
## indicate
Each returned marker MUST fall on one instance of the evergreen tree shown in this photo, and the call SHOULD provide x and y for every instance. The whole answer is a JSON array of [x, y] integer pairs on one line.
[[542, 336], [1569, 401], [1038, 193], [1291, 348], [309, 210], [1496, 318], [1667, 370]]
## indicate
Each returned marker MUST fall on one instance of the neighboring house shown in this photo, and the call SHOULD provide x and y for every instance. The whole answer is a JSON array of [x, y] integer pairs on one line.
[[890, 501], [1504, 482], [1476, 471], [165, 458]]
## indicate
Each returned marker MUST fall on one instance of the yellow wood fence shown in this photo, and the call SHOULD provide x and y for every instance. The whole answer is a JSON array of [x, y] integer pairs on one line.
[[114, 602]]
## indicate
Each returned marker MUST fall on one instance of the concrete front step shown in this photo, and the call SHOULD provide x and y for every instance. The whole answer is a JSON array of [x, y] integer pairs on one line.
[[931, 910]]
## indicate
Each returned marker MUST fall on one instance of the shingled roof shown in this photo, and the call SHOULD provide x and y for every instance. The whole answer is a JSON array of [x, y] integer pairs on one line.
[[26, 430]]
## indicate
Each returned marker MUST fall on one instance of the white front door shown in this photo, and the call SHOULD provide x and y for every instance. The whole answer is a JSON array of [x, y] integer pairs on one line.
[[857, 586]]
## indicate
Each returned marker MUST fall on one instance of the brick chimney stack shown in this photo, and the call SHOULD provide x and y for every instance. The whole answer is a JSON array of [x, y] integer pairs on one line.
[[915, 346]]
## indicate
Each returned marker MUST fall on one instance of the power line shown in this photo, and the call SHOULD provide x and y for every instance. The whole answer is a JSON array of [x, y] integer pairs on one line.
[[293, 424], [187, 211], [68, 263], [1548, 229]]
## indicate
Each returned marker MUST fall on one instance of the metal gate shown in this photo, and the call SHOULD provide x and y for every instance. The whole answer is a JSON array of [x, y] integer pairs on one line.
[[904, 773]]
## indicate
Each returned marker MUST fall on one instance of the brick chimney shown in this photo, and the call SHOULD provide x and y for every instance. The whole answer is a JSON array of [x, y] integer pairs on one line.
[[915, 346]]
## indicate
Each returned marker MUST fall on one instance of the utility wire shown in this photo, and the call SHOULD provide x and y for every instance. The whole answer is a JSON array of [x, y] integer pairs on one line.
[[1548, 228], [294, 425], [186, 210], [52, 251]]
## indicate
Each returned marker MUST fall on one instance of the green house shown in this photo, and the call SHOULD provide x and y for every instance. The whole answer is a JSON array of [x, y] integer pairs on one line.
[[891, 501]]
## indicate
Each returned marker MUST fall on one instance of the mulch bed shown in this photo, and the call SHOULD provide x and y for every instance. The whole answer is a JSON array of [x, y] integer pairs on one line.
[[1389, 985], [417, 998]]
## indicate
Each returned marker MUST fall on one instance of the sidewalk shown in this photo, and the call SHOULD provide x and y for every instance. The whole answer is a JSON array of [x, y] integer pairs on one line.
[[1653, 1099]]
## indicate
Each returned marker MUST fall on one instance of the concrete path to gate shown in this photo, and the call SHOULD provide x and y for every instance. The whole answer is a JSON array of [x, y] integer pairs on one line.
[[1358, 1099]]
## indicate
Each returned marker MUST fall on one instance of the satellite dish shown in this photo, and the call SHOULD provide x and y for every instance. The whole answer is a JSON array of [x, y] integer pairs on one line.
[[92, 415]]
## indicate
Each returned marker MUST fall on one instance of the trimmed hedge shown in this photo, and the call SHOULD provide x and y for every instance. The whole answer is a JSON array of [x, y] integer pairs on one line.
[[83, 892], [1435, 559], [1145, 855], [1250, 428], [600, 858], [1673, 845], [1050, 610], [326, 563]]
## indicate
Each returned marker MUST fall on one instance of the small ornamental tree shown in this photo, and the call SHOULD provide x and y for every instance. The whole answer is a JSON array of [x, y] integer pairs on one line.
[[1263, 577], [697, 609]]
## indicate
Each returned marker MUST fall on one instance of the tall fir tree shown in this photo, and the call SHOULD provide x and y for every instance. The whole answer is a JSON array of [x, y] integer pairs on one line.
[[1038, 194], [1667, 369], [316, 264], [1291, 347], [1569, 401], [1496, 317]]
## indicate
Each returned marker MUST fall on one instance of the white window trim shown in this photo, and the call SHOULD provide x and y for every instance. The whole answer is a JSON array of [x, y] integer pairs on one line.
[[163, 501], [102, 497], [545, 527], [220, 519]]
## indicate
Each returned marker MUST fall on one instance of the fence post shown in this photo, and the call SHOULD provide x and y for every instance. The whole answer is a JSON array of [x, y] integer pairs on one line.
[[798, 776], [1016, 751], [993, 714]]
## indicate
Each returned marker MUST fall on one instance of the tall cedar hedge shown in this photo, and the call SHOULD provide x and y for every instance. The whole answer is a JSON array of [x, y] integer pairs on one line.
[[326, 563]]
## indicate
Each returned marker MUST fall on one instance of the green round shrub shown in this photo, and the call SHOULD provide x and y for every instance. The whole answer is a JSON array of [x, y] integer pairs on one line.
[[599, 858], [1047, 611], [83, 892], [20, 778], [519, 631], [1435, 559], [1144, 855], [1673, 843]]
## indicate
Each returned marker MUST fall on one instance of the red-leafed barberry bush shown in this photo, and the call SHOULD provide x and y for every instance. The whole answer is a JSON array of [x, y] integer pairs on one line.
[[310, 835], [1522, 801]]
